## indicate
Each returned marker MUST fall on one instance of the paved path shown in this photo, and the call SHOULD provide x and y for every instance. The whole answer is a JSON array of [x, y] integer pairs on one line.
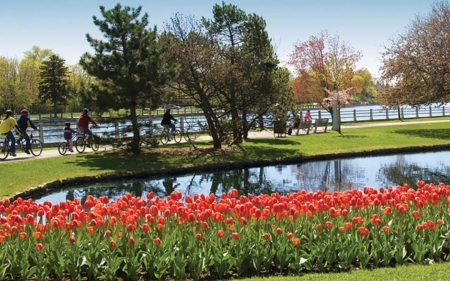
[[260, 134]]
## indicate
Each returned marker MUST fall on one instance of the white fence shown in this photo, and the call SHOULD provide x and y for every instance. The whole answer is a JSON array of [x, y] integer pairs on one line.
[[51, 128]]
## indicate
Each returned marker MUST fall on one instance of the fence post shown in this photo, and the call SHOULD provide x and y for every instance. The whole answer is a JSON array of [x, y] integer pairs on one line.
[[402, 113], [182, 124], [417, 112], [443, 111], [41, 130], [387, 114], [116, 127], [354, 115], [371, 114], [431, 112], [320, 114]]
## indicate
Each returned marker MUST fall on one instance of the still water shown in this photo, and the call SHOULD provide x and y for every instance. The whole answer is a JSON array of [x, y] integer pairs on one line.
[[332, 175]]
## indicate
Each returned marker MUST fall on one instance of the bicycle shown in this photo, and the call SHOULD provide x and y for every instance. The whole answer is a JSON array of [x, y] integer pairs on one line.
[[64, 146], [167, 135], [36, 145], [80, 142]]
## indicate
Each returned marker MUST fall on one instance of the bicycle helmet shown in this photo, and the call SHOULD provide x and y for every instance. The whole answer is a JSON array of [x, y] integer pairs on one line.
[[9, 112], [24, 111], [85, 110], [67, 124]]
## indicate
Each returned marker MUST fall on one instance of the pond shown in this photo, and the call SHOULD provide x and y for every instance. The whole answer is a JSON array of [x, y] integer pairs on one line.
[[332, 175]]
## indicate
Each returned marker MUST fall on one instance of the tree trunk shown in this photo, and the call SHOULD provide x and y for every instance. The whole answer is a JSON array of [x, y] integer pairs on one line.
[[213, 131], [136, 133], [55, 110]]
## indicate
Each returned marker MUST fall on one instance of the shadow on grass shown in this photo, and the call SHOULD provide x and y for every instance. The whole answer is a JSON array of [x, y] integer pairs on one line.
[[350, 136], [120, 162], [274, 141], [443, 134]]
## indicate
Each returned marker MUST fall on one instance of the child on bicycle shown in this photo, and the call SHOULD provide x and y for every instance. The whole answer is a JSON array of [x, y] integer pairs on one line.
[[68, 133]]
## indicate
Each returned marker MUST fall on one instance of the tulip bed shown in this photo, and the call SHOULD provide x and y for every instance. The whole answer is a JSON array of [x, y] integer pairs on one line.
[[209, 237]]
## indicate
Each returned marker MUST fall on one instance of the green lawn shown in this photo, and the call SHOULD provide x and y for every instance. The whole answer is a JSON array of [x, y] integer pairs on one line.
[[20, 175]]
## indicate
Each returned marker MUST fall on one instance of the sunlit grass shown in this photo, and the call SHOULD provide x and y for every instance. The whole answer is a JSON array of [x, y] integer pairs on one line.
[[438, 272], [20, 175]]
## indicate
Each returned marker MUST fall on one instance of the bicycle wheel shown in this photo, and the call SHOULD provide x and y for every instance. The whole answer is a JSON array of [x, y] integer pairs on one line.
[[177, 136], [191, 136], [165, 137], [62, 148], [36, 147], [94, 144], [4, 150], [80, 145]]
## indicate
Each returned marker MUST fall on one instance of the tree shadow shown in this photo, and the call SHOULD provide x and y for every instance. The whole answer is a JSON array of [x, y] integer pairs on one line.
[[443, 134]]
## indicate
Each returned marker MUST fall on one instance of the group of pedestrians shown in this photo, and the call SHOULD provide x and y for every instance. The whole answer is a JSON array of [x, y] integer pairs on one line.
[[8, 124]]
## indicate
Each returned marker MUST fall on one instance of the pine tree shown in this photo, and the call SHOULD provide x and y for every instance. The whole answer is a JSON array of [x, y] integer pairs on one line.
[[53, 82], [129, 66]]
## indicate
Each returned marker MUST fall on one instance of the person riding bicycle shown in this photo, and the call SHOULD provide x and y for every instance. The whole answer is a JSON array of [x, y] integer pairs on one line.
[[83, 124], [166, 120], [24, 123], [68, 132], [8, 123]]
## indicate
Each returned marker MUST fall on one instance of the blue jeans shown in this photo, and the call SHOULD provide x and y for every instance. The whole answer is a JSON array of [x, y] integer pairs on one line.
[[12, 146], [171, 126], [88, 135], [27, 140]]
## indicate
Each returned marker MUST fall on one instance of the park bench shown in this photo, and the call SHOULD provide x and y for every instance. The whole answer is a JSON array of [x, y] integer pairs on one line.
[[279, 128], [305, 124], [321, 123]]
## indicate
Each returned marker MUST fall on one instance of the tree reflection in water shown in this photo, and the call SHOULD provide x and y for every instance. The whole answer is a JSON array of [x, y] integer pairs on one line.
[[333, 175]]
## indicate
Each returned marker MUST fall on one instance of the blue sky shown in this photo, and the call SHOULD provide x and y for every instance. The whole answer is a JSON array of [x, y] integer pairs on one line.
[[61, 25]]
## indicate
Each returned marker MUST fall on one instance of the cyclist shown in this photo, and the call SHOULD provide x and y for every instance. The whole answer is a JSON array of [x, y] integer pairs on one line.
[[166, 120], [83, 124], [24, 122], [8, 123], [68, 135]]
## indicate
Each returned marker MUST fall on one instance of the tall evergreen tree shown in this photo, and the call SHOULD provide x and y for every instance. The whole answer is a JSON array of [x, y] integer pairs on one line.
[[53, 82], [128, 66]]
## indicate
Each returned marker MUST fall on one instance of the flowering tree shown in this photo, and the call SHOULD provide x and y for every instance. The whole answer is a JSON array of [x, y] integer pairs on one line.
[[323, 65]]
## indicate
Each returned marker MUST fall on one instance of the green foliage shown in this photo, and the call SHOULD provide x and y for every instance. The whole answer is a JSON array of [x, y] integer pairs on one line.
[[129, 66], [53, 82]]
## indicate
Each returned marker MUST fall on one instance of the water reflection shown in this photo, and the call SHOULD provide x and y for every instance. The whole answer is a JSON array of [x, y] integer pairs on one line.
[[332, 175]]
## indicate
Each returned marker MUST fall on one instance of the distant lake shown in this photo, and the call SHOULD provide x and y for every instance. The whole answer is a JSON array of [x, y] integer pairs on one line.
[[329, 175]]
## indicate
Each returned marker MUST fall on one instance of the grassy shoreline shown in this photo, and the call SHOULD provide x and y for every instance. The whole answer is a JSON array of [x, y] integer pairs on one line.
[[22, 175]]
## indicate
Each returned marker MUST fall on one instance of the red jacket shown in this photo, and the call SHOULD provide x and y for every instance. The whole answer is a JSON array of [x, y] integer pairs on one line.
[[83, 121]]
